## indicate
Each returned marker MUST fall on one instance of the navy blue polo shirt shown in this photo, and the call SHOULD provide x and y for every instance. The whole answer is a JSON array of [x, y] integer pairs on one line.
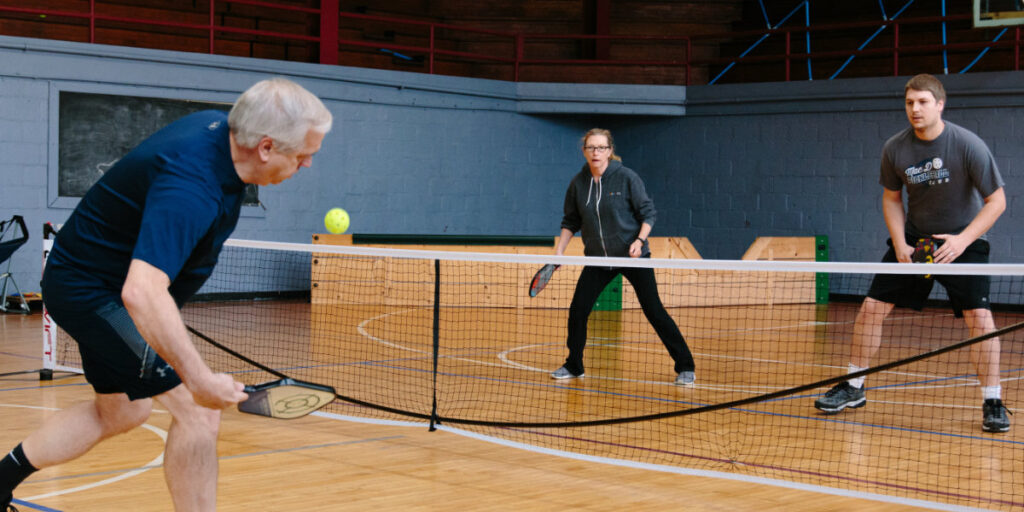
[[171, 202]]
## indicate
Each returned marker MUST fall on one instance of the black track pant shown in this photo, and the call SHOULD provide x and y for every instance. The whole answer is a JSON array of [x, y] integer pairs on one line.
[[590, 285]]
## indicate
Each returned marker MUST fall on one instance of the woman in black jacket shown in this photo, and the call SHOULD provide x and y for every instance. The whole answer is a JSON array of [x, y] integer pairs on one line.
[[609, 204]]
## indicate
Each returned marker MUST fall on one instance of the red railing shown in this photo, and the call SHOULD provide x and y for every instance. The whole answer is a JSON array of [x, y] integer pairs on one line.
[[514, 46], [211, 27], [431, 49]]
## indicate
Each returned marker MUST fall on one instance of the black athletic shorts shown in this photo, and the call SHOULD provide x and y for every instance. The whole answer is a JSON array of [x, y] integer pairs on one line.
[[114, 356], [911, 291]]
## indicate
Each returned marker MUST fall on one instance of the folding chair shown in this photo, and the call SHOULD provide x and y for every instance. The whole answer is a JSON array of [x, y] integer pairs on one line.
[[11, 228]]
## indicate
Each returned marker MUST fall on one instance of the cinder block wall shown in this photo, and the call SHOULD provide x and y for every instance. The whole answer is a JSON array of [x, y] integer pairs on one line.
[[802, 158]]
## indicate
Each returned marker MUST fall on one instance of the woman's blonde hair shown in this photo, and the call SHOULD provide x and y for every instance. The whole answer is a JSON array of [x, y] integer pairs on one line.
[[607, 134]]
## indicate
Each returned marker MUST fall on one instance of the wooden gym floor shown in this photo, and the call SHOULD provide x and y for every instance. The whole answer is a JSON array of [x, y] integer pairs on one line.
[[322, 463]]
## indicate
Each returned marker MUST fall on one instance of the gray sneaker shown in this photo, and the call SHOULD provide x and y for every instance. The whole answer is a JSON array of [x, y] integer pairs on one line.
[[994, 414], [840, 397], [564, 373], [686, 378]]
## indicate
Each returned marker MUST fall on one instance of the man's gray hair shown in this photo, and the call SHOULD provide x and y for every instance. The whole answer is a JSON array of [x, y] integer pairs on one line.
[[280, 109]]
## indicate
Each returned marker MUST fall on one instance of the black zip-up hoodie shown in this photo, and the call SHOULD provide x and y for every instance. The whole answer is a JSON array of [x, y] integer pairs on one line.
[[608, 211]]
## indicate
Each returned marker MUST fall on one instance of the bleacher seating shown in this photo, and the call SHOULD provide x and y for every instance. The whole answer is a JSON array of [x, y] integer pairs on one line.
[[286, 35]]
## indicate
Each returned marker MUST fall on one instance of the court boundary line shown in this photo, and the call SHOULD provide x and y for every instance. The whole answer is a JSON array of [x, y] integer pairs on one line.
[[820, 489], [502, 356], [157, 462]]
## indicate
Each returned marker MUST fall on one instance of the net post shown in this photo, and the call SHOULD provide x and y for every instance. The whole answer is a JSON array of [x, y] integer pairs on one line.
[[49, 326], [437, 342]]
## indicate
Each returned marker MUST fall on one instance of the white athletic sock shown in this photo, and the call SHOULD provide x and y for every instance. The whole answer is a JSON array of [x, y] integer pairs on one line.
[[859, 381], [988, 392]]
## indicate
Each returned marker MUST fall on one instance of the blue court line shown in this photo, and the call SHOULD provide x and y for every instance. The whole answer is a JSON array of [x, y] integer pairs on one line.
[[943, 379], [331, 365], [389, 364], [19, 356], [896, 429], [252, 454], [541, 385], [905, 384], [47, 386], [769, 481], [914, 383], [23, 503], [698, 404], [312, 447]]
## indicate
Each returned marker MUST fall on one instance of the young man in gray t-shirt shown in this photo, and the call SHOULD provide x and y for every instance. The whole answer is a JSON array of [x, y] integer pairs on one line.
[[954, 195]]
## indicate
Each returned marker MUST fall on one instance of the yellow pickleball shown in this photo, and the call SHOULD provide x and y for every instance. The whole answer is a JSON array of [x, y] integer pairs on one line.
[[336, 220]]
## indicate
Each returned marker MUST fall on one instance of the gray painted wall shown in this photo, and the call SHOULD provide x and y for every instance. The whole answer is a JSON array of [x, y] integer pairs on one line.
[[802, 158], [414, 153]]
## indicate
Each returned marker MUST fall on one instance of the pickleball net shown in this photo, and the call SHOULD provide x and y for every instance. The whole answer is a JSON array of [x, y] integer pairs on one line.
[[453, 339]]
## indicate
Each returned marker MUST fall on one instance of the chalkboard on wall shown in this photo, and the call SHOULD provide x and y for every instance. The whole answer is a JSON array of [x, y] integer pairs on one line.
[[96, 130]]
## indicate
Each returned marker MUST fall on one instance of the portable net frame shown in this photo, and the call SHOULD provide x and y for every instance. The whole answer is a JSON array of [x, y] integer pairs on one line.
[[454, 339]]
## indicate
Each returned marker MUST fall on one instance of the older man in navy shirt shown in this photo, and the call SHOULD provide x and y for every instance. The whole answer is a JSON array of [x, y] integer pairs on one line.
[[140, 243]]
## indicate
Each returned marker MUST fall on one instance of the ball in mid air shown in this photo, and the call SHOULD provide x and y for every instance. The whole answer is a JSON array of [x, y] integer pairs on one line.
[[336, 220]]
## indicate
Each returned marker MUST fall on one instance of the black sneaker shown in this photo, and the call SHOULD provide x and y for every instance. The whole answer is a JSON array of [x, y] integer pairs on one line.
[[996, 419], [840, 397], [5, 505]]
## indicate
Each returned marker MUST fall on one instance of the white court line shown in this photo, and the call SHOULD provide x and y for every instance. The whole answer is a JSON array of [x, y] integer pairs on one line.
[[815, 365], [712, 474], [369, 421], [36, 407], [970, 382], [503, 356], [362, 330], [918, 404], [157, 462], [720, 475], [749, 388], [815, 323]]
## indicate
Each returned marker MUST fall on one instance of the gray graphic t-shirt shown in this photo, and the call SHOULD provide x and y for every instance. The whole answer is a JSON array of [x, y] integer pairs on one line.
[[947, 178]]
